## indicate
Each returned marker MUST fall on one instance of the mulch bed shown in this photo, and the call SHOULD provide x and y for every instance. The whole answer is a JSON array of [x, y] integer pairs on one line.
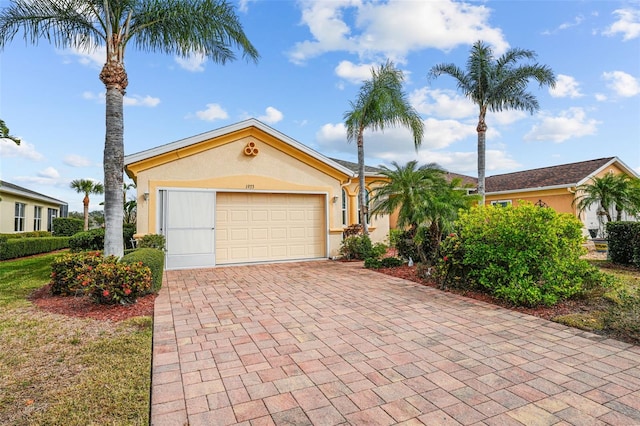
[[83, 307]]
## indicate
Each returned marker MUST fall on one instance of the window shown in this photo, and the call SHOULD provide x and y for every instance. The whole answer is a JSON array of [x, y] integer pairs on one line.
[[51, 214], [18, 224], [37, 218], [344, 208], [366, 200], [501, 203]]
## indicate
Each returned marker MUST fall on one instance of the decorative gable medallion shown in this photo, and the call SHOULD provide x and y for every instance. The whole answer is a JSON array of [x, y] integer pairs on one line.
[[251, 149]]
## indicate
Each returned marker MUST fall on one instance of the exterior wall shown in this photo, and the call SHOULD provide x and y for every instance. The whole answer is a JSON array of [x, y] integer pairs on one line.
[[7, 212], [558, 199], [223, 165]]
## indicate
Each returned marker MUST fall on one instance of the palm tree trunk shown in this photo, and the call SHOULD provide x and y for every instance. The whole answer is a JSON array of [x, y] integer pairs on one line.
[[362, 200], [113, 179], [85, 201], [482, 137]]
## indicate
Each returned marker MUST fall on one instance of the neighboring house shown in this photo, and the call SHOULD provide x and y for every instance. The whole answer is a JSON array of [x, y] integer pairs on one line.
[[554, 186], [245, 193], [24, 210]]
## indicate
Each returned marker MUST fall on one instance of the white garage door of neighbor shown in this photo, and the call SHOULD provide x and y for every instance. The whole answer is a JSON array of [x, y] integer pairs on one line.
[[261, 227]]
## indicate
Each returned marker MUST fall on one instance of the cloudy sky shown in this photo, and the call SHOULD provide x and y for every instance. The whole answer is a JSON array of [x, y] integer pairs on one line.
[[314, 57]]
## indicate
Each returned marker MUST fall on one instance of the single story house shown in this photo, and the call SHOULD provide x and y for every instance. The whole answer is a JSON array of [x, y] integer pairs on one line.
[[24, 210], [246, 193], [555, 186]]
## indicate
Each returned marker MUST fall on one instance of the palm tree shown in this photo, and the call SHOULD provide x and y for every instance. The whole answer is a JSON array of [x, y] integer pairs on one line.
[[381, 102], [207, 27], [610, 191], [496, 85], [6, 134], [87, 187]]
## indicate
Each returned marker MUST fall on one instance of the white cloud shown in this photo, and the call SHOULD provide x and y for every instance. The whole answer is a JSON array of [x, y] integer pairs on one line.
[[621, 83], [440, 134], [392, 29], [504, 117], [194, 62], [213, 112], [566, 25], [354, 73], [571, 123], [442, 103], [49, 173], [272, 116], [91, 57], [566, 86], [9, 149], [137, 100], [133, 100], [74, 160], [628, 24], [244, 5]]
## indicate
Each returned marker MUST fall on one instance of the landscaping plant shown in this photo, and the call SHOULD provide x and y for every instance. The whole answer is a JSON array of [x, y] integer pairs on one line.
[[526, 255]]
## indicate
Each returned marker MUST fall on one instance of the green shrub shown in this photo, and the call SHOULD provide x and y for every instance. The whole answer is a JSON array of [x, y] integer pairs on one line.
[[391, 262], [70, 273], [105, 280], [13, 248], [67, 226], [526, 255], [624, 238], [372, 263], [359, 247], [116, 282], [128, 230], [155, 241], [30, 234], [92, 239], [153, 258], [406, 246]]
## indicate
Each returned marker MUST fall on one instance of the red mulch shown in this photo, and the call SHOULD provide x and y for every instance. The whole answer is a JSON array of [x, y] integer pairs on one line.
[[83, 307], [546, 312]]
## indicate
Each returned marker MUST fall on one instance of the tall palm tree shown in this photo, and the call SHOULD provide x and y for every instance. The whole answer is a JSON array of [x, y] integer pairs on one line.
[[208, 27], [496, 84], [381, 102], [610, 191], [87, 187]]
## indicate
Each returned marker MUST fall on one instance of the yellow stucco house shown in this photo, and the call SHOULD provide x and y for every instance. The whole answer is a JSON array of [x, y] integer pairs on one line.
[[245, 193], [24, 210], [554, 186]]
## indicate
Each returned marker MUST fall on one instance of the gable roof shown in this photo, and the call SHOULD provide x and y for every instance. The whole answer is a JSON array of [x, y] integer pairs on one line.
[[354, 166], [564, 175], [11, 188], [187, 146]]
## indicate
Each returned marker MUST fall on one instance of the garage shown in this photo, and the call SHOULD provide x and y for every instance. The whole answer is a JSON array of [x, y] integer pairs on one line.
[[265, 227]]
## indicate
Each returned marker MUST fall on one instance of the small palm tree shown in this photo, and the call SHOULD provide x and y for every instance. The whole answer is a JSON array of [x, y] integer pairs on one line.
[[207, 27], [611, 191], [381, 102], [87, 187], [496, 84], [6, 134]]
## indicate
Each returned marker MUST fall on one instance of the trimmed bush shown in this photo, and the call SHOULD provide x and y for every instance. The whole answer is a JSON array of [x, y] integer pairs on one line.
[[71, 272], [526, 255], [624, 238], [12, 248], [153, 258], [155, 241], [359, 247], [30, 234], [67, 226], [116, 282], [92, 239]]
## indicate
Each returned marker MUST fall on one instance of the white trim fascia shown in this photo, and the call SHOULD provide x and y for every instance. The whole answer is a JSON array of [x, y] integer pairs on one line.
[[32, 196], [540, 188], [251, 122]]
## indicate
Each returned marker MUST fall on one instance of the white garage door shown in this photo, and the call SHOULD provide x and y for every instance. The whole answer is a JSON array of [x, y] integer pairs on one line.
[[258, 227]]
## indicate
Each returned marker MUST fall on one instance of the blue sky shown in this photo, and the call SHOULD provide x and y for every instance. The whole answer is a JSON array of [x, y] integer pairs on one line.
[[314, 56]]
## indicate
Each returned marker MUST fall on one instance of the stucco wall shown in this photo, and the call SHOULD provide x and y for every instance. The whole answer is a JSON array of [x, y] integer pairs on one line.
[[7, 212]]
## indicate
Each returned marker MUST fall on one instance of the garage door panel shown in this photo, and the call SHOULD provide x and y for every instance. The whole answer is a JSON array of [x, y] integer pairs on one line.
[[269, 227]]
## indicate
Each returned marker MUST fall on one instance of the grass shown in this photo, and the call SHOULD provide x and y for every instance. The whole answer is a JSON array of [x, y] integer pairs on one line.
[[57, 370]]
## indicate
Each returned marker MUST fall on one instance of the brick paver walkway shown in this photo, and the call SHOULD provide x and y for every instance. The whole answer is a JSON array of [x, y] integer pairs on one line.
[[328, 343]]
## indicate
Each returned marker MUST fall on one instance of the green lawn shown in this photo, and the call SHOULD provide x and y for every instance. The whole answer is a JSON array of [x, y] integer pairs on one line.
[[60, 370]]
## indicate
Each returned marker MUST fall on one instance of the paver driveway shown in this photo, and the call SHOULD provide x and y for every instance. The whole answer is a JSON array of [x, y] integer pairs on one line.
[[331, 343]]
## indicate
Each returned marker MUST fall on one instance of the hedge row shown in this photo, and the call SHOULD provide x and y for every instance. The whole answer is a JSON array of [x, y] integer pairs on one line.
[[152, 258], [30, 234], [624, 242], [20, 247]]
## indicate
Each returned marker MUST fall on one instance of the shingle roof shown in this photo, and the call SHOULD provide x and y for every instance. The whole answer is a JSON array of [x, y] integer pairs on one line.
[[564, 174], [15, 189], [354, 166], [466, 180]]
